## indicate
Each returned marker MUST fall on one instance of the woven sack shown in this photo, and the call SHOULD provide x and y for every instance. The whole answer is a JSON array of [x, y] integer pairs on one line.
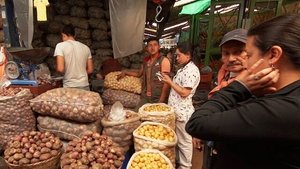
[[167, 116], [166, 147], [121, 132], [149, 151], [69, 104], [66, 130]]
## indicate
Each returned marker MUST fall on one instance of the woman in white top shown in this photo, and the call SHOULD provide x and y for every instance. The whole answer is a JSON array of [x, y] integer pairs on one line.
[[183, 87]]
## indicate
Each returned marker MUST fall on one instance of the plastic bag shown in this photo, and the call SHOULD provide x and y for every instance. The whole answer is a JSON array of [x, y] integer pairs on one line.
[[117, 112]]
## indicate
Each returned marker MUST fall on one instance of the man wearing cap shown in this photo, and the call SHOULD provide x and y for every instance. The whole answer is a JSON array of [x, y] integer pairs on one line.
[[232, 46]]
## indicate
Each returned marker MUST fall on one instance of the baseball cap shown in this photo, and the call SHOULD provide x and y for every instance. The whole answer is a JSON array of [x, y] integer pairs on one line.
[[236, 34]]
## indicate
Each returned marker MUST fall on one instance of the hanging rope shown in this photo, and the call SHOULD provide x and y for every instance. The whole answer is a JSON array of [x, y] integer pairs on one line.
[[158, 11]]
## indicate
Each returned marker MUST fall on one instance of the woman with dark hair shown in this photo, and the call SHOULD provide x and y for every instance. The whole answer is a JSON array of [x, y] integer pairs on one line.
[[183, 87], [255, 120]]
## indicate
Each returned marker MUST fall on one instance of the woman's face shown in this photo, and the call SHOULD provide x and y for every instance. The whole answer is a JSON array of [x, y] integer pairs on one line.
[[254, 54], [181, 57]]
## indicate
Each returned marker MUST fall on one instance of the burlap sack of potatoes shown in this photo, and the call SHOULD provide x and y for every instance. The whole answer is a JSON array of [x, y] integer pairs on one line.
[[69, 104], [165, 146], [121, 132], [128, 83], [16, 115], [135, 162], [129, 100], [158, 112], [66, 130]]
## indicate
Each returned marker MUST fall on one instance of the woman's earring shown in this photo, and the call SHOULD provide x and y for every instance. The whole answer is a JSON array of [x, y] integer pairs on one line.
[[272, 66]]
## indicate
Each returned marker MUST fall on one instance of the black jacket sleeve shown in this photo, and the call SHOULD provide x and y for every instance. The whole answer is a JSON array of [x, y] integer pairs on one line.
[[225, 118]]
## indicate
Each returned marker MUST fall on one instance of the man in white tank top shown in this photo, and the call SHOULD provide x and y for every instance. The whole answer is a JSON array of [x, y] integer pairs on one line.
[[74, 59]]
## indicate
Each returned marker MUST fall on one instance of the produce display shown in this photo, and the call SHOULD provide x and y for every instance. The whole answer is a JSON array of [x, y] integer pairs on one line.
[[66, 130], [16, 115], [151, 135], [9, 91], [158, 112], [149, 159], [69, 104], [128, 83], [31, 148], [92, 151], [121, 132], [127, 99]]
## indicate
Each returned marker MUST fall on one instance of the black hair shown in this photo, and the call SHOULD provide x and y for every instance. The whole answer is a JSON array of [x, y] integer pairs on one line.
[[283, 31], [185, 48], [68, 30], [152, 39]]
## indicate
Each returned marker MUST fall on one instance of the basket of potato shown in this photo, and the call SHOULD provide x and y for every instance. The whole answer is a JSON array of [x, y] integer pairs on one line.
[[149, 158], [128, 83], [91, 151], [33, 150], [158, 112], [151, 135], [121, 131]]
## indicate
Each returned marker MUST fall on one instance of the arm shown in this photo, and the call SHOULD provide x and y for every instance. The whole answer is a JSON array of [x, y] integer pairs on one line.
[[135, 73], [165, 68], [60, 64], [222, 118], [89, 66]]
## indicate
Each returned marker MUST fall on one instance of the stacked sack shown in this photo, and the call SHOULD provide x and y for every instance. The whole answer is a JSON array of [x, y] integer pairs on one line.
[[16, 115], [119, 126], [126, 90], [158, 112], [157, 136], [68, 112]]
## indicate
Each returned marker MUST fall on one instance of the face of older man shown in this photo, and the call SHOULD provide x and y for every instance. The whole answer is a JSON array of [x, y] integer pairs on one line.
[[230, 51]]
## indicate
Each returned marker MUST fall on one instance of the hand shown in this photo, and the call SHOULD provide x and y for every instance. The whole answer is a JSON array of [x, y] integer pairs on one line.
[[166, 78], [121, 75], [197, 143], [259, 83]]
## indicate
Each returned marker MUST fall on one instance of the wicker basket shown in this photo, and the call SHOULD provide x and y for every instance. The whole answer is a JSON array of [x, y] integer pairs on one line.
[[52, 163]]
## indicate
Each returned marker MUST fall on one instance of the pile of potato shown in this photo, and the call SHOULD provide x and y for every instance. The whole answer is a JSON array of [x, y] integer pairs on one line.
[[121, 132], [64, 129], [157, 132], [69, 104], [128, 100], [32, 147], [16, 114], [128, 83], [149, 159], [157, 108], [92, 151], [9, 91], [151, 135], [158, 112]]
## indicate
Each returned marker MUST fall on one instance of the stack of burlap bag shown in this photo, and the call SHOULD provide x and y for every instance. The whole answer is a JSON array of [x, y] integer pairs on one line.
[[16, 115], [157, 130], [127, 92], [68, 112]]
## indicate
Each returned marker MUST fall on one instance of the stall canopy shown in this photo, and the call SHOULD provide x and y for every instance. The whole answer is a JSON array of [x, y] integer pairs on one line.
[[195, 7]]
